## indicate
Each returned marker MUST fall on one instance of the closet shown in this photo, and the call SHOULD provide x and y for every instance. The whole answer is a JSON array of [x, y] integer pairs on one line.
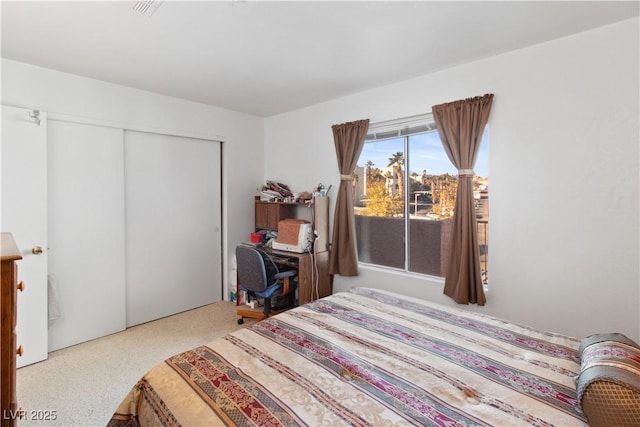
[[133, 219]]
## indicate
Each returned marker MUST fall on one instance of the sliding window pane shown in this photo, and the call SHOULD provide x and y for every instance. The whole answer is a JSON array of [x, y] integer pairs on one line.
[[379, 203], [481, 197], [433, 183]]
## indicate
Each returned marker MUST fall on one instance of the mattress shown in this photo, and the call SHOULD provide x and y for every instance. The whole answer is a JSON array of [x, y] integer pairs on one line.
[[366, 358]]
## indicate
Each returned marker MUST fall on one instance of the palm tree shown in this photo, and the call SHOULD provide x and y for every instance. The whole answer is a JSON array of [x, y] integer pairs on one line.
[[376, 175], [368, 166], [397, 161]]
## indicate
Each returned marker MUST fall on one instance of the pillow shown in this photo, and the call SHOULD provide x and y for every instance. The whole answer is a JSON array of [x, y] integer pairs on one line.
[[612, 336], [608, 387]]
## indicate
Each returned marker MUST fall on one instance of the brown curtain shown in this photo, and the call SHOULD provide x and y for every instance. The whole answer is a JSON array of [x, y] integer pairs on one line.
[[460, 125], [349, 140]]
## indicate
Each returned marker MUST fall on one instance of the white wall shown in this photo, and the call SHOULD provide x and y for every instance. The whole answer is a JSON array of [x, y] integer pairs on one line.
[[27, 86], [564, 171]]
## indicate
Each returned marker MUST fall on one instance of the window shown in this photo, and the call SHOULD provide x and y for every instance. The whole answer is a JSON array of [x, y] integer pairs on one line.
[[404, 196]]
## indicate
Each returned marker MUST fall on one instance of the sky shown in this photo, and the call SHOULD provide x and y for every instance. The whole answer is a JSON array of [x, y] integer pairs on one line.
[[425, 152]]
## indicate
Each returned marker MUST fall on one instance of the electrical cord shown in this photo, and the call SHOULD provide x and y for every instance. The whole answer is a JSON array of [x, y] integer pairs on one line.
[[315, 292], [317, 275]]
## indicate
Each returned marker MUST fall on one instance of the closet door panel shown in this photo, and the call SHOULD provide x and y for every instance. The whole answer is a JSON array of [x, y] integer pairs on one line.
[[173, 241], [86, 231]]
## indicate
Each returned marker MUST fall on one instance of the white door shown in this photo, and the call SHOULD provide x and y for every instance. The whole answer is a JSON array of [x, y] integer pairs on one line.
[[24, 214], [86, 231], [173, 243]]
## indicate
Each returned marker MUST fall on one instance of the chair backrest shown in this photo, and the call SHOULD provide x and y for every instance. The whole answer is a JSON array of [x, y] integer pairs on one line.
[[256, 270]]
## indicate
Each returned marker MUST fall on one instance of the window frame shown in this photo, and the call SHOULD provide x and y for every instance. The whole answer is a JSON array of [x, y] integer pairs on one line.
[[405, 128]]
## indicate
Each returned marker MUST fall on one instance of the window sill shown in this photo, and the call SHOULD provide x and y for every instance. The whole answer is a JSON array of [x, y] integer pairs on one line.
[[402, 273]]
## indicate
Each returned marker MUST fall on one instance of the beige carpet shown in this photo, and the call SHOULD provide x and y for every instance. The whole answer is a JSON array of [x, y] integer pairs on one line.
[[85, 383]]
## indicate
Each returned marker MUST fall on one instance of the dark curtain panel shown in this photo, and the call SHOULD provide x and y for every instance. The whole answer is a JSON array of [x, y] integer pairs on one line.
[[349, 140], [460, 125]]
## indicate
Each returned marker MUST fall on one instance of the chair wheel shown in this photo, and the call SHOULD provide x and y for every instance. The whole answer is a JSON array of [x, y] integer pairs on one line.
[[240, 321]]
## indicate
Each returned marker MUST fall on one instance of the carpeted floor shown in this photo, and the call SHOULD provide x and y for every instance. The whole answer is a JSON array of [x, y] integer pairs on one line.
[[82, 385]]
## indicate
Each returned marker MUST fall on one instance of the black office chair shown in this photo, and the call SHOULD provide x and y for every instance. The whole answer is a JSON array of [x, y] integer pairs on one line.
[[260, 277]]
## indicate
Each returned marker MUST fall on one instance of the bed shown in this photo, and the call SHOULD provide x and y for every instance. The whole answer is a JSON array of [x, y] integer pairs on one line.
[[366, 358]]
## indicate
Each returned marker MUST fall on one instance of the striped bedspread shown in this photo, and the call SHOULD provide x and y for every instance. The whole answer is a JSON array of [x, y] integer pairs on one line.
[[366, 358]]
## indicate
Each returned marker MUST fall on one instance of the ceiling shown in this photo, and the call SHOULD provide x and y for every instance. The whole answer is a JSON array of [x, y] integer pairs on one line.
[[265, 58]]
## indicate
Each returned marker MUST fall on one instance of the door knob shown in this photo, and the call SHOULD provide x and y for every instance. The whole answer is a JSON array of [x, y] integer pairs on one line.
[[37, 250]]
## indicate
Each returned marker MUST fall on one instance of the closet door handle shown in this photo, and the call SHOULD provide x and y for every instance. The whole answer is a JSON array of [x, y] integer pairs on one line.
[[37, 250]]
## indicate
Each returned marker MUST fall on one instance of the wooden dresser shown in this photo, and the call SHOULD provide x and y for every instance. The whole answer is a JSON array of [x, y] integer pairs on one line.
[[8, 314]]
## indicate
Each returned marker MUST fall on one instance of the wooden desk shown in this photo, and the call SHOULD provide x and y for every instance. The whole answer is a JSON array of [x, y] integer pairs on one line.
[[314, 280]]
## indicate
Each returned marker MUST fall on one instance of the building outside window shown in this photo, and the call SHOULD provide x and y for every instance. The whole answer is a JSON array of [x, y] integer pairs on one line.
[[404, 197]]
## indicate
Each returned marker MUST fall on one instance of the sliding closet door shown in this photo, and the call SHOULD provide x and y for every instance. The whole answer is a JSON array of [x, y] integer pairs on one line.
[[173, 243], [86, 232]]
